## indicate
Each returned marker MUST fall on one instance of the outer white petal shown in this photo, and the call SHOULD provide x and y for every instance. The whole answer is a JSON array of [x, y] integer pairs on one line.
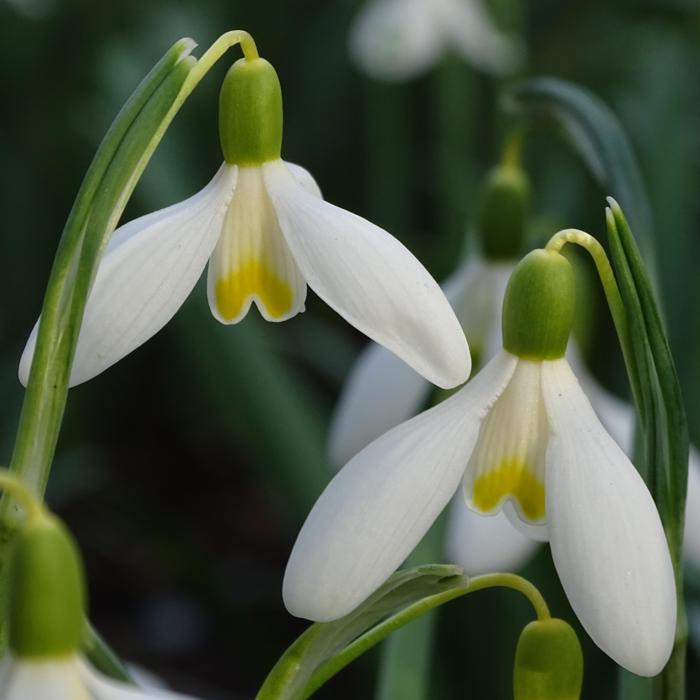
[[615, 414], [371, 280], [383, 391], [379, 506], [691, 543], [103, 688], [148, 269], [468, 27], [380, 392], [485, 543], [607, 541], [396, 40], [21, 679]]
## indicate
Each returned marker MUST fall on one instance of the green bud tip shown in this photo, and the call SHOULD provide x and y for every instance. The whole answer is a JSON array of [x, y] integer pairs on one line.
[[505, 206], [548, 662], [538, 308], [46, 591], [250, 113]]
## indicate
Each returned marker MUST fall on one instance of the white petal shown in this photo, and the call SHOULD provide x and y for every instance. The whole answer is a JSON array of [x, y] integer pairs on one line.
[[251, 261], [379, 506], [691, 543], [395, 40], [470, 29], [371, 280], [607, 541], [22, 679], [103, 688], [305, 179], [508, 462], [485, 543], [616, 415], [380, 392], [149, 268], [475, 291]]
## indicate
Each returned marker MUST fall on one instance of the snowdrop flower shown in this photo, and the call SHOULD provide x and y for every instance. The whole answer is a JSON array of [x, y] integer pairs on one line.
[[397, 40], [266, 232], [521, 436], [46, 620]]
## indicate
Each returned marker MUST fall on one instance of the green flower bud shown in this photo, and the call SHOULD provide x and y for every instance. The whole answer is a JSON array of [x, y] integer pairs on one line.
[[250, 113], [538, 308], [46, 591], [505, 205], [548, 662]]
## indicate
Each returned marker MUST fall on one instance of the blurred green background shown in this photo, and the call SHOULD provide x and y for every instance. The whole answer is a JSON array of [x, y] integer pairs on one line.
[[186, 470]]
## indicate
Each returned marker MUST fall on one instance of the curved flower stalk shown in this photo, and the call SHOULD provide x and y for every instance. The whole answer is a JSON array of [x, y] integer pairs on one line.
[[521, 437], [266, 232], [397, 40]]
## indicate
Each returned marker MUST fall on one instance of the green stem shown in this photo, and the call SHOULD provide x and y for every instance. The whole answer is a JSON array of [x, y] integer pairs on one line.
[[607, 279], [108, 184], [369, 639]]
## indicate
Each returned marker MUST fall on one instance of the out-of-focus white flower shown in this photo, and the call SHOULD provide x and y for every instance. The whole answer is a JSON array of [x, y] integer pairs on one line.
[[523, 436], [68, 678], [382, 391], [397, 40], [266, 232]]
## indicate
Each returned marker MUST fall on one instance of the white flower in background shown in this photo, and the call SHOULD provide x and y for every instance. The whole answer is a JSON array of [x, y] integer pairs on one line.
[[521, 436], [69, 678], [266, 232], [397, 40], [382, 391]]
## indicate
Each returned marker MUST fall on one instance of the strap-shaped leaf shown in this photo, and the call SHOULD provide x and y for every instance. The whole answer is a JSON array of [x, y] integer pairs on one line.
[[598, 138], [327, 647]]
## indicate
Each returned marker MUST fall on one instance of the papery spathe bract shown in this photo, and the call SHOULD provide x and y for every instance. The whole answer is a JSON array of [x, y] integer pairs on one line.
[[67, 678], [397, 40]]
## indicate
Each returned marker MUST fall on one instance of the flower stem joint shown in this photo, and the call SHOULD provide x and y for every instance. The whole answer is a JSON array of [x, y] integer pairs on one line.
[[47, 593], [250, 113], [538, 308], [548, 662], [503, 214]]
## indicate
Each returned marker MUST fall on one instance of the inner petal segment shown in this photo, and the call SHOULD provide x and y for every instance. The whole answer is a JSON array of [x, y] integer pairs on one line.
[[509, 457], [252, 263]]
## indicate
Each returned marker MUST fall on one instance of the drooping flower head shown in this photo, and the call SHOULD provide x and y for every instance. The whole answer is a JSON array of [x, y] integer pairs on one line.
[[521, 437], [46, 620], [266, 233]]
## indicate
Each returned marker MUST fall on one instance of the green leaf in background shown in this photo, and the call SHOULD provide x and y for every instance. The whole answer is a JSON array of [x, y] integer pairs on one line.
[[598, 138], [325, 648]]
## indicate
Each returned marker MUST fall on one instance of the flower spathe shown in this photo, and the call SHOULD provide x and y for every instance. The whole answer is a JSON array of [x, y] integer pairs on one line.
[[398, 40], [521, 435], [67, 678], [266, 233]]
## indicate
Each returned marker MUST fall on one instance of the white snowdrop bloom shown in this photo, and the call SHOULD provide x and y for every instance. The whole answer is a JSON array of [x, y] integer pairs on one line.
[[397, 40], [266, 232], [67, 678], [521, 436]]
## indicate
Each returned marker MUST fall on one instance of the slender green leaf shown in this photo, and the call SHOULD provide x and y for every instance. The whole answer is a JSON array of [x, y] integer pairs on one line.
[[664, 425], [598, 138], [318, 653]]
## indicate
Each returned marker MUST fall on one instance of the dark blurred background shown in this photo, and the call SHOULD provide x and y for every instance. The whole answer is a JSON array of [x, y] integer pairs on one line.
[[186, 470]]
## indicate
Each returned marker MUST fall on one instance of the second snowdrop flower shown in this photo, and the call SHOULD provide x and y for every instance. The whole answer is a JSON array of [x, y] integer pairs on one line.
[[521, 436], [266, 232]]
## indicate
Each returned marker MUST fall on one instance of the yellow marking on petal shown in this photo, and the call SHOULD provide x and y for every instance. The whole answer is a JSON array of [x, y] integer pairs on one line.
[[510, 478], [253, 278]]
